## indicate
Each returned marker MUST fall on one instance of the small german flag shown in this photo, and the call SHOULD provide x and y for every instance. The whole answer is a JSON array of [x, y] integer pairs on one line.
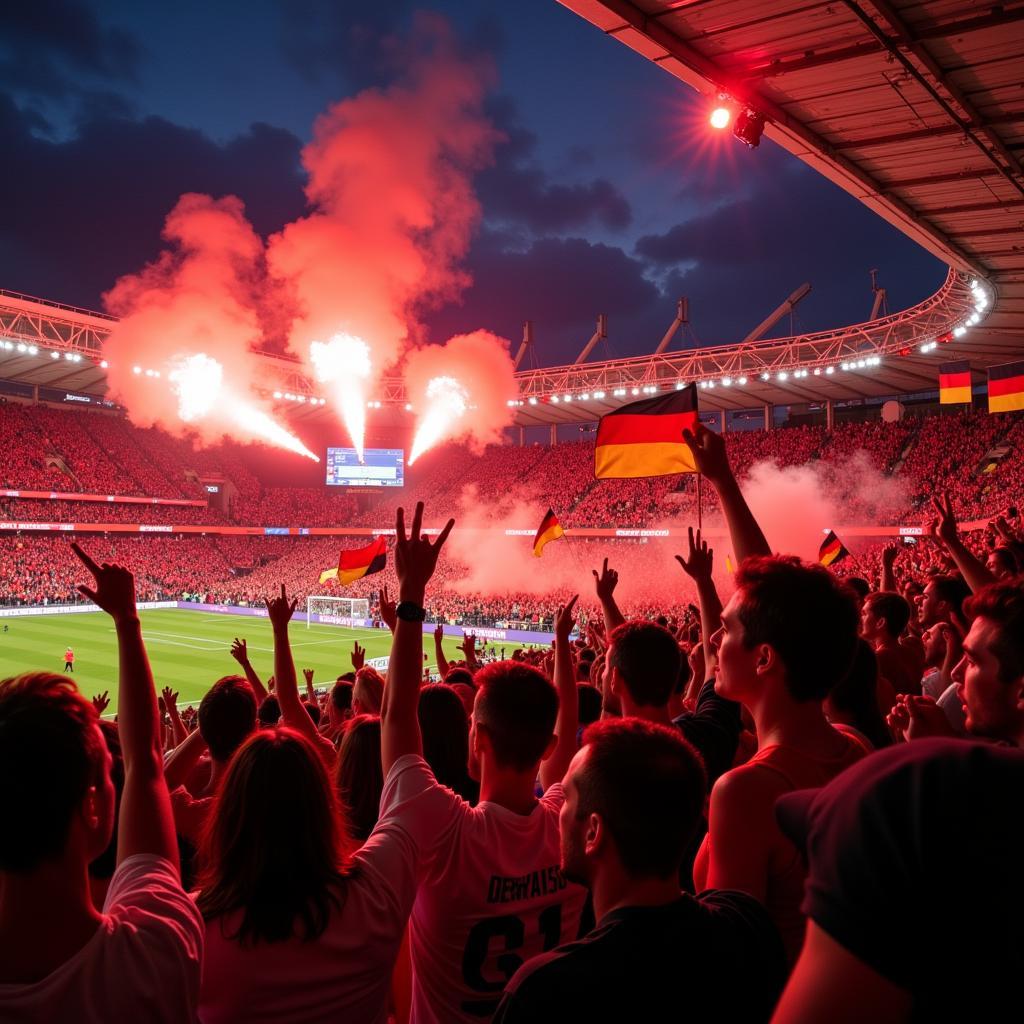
[[955, 383], [1006, 387], [645, 438], [550, 529], [354, 565], [831, 550]]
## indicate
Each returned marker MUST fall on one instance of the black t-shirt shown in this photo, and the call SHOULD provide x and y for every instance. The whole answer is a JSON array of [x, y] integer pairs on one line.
[[716, 957], [916, 858]]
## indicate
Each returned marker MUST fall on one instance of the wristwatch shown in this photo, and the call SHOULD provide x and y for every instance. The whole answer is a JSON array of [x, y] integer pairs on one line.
[[410, 611]]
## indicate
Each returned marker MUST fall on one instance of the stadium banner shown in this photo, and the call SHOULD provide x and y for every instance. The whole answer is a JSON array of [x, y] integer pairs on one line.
[[114, 498], [365, 531], [485, 633], [73, 609]]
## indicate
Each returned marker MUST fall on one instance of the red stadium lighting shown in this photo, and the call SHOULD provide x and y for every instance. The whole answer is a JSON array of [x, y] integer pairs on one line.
[[720, 117]]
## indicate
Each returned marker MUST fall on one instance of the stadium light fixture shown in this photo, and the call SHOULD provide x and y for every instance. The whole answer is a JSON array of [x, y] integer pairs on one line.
[[136, 369], [554, 398], [720, 116], [533, 401], [782, 375], [727, 382], [711, 383], [585, 397], [959, 332], [33, 351], [567, 398], [619, 392], [749, 127], [742, 381], [817, 371], [830, 370], [636, 391]]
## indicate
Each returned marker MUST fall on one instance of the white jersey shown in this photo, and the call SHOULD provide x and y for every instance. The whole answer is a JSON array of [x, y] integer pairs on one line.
[[491, 893]]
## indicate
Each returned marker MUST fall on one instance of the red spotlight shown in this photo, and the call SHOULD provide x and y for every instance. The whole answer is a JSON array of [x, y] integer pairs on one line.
[[720, 117]]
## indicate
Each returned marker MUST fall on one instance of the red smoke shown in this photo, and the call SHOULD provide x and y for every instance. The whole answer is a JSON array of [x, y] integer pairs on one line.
[[392, 202], [199, 296], [482, 367]]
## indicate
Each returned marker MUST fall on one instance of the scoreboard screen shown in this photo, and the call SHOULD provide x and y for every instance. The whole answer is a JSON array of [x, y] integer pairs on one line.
[[381, 467]]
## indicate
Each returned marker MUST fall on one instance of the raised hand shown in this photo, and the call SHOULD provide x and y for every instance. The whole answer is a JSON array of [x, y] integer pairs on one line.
[[438, 633], [358, 656], [280, 609], [415, 556], [114, 587], [468, 647], [945, 525], [564, 621], [709, 453], [701, 561], [170, 699], [101, 702], [240, 652], [387, 609], [605, 582], [889, 555]]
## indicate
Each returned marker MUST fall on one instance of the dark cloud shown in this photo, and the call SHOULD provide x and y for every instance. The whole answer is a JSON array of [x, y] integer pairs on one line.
[[559, 283], [46, 44], [518, 190], [91, 208], [738, 261]]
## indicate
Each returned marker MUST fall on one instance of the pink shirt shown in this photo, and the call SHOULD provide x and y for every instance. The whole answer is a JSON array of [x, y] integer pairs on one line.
[[345, 974], [491, 893], [141, 965]]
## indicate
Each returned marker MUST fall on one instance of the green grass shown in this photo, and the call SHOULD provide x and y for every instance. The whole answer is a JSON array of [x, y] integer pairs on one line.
[[188, 650]]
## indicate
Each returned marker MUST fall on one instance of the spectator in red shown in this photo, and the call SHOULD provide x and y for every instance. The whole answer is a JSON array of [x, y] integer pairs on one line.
[[62, 958], [634, 795]]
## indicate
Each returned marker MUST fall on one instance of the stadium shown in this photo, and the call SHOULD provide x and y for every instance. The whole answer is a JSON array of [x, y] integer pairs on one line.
[[217, 477]]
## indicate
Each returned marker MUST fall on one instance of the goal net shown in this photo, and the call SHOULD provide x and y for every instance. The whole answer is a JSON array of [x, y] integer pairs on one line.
[[337, 608]]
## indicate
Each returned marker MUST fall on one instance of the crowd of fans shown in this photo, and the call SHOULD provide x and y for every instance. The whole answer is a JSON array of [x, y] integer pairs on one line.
[[746, 809]]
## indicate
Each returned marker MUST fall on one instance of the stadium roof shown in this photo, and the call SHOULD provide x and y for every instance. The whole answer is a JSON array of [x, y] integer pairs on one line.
[[915, 108]]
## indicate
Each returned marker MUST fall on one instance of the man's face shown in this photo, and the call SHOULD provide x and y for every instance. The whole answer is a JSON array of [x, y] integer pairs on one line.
[[934, 647], [870, 623], [930, 607], [737, 666], [991, 705], [572, 830]]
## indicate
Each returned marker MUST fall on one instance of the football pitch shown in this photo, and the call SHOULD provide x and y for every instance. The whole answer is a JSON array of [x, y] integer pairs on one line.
[[188, 650]]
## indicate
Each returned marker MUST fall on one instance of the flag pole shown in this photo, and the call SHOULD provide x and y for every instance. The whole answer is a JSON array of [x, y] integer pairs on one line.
[[700, 503]]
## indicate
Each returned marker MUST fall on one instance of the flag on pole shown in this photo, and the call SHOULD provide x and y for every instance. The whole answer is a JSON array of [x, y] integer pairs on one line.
[[354, 565], [645, 438], [550, 529], [831, 550], [955, 383], [1006, 387]]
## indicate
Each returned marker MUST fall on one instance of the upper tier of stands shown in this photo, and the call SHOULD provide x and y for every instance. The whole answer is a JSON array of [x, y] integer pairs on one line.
[[979, 457]]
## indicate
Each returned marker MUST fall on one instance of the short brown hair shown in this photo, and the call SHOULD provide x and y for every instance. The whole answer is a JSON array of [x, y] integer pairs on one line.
[[50, 754], [1003, 605], [516, 706]]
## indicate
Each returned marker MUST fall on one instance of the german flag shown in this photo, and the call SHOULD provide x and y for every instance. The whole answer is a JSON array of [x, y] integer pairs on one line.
[[955, 383], [831, 550], [646, 438], [1006, 387], [354, 565], [550, 529]]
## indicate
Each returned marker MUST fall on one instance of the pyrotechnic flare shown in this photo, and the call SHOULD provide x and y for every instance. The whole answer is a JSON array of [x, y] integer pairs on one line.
[[447, 401], [344, 362], [198, 381]]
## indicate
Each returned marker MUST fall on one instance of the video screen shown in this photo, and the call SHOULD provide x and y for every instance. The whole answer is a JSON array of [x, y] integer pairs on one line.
[[381, 467]]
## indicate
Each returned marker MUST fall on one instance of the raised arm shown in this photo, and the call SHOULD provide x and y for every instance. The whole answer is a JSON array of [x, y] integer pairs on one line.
[[698, 567], [178, 731], [439, 657], [605, 583], [240, 652], [974, 572], [553, 768], [145, 823], [415, 561], [889, 555], [709, 453], [293, 714]]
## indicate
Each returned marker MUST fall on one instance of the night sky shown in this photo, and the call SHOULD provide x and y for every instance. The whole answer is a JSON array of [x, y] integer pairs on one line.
[[609, 193]]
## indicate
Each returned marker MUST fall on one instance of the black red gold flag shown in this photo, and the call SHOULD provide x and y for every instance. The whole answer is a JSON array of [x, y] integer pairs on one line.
[[831, 550], [1006, 387], [955, 383], [550, 529], [645, 438], [354, 565]]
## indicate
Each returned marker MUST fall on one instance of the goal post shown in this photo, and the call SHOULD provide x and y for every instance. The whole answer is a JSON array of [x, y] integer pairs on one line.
[[337, 607]]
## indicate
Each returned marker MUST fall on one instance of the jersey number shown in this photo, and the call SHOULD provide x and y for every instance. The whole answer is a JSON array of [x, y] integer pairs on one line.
[[511, 932]]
